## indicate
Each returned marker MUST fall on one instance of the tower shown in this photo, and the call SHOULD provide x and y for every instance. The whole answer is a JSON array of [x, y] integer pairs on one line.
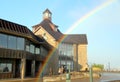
[[47, 14]]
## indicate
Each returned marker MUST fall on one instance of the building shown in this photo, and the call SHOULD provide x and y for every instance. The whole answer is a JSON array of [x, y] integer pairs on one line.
[[21, 52], [71, 51]]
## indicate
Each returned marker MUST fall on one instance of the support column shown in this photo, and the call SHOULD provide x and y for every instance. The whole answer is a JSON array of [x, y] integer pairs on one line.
[[33, 68], [75, 57], [14, 64], [23, 64]]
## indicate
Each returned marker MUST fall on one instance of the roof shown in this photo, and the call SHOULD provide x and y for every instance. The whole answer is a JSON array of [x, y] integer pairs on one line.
[[75, 38], [46, 24], [15, 29], [47, 10]]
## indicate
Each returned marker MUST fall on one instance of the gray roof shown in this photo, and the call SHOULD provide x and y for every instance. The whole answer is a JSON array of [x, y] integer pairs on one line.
[[76, 38], [70, 38]]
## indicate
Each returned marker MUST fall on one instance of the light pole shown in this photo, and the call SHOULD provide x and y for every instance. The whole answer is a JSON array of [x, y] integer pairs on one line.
[[109, 66], [91, 73]]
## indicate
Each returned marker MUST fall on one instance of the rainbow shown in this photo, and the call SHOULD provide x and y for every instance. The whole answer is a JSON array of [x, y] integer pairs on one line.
[[75, 25], [91, 13]]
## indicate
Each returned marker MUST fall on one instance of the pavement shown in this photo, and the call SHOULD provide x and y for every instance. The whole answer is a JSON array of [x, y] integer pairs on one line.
[[80, 80], [24, 80], [40, 80]]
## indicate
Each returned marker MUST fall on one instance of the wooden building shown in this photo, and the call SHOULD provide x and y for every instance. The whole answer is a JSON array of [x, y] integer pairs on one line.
[[21, 52]]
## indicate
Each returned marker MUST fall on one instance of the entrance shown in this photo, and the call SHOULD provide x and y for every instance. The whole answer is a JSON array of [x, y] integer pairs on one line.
[[28, 68], [17, 68], [37, 67]]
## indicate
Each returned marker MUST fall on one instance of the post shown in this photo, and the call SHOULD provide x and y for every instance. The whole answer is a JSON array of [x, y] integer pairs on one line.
[[68, 78], [23, 63], [91, 74], [33, 68]]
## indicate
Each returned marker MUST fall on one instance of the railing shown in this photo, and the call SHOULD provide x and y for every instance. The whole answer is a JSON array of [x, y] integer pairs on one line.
[[18, 54], [9, 53], [6, 75]]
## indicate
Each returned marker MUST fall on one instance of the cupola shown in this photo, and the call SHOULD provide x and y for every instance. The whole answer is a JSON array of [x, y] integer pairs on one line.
[[47, 14]]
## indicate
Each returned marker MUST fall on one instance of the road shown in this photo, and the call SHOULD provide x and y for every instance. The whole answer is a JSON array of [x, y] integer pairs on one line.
[[110, 77]]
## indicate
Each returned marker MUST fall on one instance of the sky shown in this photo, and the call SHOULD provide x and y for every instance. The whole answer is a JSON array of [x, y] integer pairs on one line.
[[98, 19]]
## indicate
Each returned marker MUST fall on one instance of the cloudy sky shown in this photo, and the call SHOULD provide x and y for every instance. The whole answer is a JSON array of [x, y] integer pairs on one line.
[[99, 19]]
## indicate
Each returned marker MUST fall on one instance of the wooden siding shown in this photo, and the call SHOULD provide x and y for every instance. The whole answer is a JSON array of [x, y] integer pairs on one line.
[[17, 54], [6, 75]]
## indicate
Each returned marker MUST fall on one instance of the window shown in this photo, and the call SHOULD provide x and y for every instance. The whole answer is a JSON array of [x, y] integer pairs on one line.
[[37, 50], [32, 47], [44, 36], [5, 67], [44, 52], [47, 14], [12, 42], [66, 50], [20, 43], [27, 47], [3, 41]]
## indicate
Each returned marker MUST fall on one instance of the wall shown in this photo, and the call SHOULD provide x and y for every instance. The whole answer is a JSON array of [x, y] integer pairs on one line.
[[52, 64], [82, 56], [49, 38]]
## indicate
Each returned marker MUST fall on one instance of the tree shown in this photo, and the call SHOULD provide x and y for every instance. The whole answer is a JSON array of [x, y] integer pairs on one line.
[[100, 66]]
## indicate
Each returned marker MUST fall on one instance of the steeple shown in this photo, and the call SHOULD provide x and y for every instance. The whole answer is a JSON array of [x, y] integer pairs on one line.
[[47, 14]]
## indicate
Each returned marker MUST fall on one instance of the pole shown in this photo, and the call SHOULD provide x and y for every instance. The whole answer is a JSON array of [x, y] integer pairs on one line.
[[68, 78], [91, 74], [109, 66]]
